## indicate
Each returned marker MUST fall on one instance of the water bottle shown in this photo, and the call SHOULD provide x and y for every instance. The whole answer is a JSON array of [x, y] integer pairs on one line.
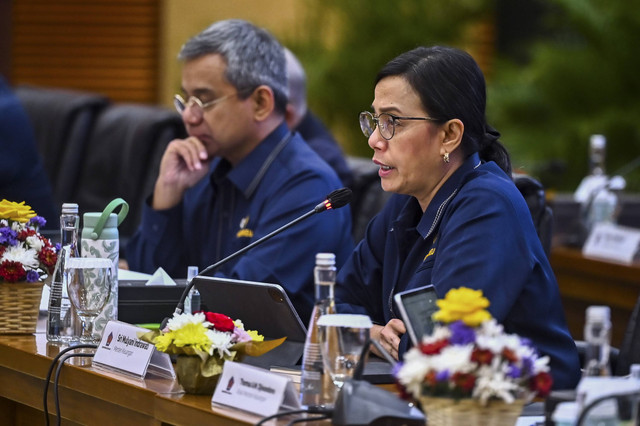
[[316, 388], [597, 335], [192, 302], [62, 323]]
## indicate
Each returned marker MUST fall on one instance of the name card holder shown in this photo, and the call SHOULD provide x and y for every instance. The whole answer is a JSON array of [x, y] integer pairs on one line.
[[255, 390], [612, 242], [122, 351]]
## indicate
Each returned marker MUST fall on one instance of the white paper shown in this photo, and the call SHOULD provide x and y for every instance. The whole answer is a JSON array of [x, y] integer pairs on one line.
[[612, 242]]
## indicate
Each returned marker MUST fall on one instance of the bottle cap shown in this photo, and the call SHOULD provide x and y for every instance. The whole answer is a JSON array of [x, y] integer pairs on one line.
[[192, 271], [69, 208], [325, 259], [598, 314], [635, 371], [598, 141]]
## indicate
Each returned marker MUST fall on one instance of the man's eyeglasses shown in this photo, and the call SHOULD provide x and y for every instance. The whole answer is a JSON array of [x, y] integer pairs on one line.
[[385, 122], [198, 107]]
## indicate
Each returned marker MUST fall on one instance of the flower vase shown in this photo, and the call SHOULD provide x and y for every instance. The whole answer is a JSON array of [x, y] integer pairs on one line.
[[20, 305], [197, 376], [453, 412]]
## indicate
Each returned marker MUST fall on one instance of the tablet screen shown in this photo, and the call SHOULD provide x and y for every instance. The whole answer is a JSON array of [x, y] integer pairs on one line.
[[416, 308]]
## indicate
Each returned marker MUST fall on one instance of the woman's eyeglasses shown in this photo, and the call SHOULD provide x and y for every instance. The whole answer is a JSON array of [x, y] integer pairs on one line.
[[385, 122]]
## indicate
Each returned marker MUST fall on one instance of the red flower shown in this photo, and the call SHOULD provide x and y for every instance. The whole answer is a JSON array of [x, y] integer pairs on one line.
[[430, 378], [22, 235], [541, 383], [482, 356], [464, 381], [433, 348], [48, 258], [12, 271], [509, 355], [220, 322]]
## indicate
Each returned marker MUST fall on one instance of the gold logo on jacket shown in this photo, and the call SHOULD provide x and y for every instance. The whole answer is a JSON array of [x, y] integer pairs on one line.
[[244, 232], [432, 251]]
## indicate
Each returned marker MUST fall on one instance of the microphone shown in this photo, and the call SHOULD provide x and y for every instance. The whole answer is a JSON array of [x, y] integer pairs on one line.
[[336, 199]]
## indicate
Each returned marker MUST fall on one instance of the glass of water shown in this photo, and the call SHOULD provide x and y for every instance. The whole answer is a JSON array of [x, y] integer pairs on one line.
[[343, 339]]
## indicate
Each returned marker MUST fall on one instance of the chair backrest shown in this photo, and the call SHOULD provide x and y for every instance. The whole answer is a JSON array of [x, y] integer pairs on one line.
[[62, 121], [541, 213], [123, 158], [368, 196]]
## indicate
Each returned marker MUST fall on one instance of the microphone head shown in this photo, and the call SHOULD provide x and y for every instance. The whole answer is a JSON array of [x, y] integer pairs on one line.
[[338, 198]]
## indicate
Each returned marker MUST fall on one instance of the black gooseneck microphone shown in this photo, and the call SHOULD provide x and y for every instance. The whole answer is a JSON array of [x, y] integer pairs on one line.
[[338, 198]]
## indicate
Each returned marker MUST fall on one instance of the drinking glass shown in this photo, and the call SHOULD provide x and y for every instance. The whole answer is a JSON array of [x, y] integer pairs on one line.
[[343, 339], [89, 282]]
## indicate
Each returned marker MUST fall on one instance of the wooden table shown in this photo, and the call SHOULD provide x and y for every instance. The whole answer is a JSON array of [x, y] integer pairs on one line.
[[91, 396], [584, 281]]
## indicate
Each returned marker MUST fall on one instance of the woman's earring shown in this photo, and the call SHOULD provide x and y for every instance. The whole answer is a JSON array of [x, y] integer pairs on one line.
[[445, 157]]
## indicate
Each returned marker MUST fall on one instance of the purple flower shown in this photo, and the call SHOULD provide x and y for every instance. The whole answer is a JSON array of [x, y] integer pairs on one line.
[[58, 247], [442, 376], [32, 276], [526, 342], [37, 221], [461, 334], [8, 236], [396, 368], [527, 365], [514, 372]]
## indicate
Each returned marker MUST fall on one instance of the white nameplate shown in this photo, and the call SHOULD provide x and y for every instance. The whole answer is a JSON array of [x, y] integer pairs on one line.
[[612, 242], [121, 349], [254, 389]]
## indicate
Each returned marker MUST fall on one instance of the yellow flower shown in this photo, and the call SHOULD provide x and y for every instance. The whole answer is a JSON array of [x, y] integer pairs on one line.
[[191, 334], [463, 304], [255, 336], [20, 212]]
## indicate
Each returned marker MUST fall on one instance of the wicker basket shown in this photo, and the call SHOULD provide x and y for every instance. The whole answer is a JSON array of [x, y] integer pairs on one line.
[[20, 305], [451, 412]]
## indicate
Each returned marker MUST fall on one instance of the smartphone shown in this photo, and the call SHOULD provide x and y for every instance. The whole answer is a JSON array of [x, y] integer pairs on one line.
[[416, 307]]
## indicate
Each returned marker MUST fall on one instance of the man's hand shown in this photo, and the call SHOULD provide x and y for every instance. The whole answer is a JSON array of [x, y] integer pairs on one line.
[[184, 163], [388, 336]]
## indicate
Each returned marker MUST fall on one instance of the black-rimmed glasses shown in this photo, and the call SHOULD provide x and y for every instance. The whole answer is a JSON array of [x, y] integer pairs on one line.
[[385, 122]]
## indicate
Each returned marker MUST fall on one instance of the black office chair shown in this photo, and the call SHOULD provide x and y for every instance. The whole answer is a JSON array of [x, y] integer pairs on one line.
[[123, 158], [62, 121], [368, 196], [541, 213]]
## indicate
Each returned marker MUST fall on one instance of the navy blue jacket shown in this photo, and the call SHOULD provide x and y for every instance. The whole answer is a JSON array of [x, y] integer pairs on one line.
[[477, 232], [281, 179], [22, 174]]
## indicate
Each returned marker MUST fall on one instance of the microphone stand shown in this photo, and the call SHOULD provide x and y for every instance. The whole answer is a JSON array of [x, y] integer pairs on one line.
[[325, 205]]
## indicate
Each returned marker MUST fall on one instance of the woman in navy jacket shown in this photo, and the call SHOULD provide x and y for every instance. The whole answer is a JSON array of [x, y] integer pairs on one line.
[[457, 219]]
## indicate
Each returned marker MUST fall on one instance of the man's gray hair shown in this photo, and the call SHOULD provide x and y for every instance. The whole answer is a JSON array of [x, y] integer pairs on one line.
[[254, 57]]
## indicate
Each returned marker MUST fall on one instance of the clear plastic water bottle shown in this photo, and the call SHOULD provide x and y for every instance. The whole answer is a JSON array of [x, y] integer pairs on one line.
[[597, 335], [62, 323], [316, 388], [192, 302]]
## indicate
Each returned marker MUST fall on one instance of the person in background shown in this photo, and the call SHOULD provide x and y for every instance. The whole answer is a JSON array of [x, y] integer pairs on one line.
[[240, 174], [456, 218], [302, 120], [22, 174]]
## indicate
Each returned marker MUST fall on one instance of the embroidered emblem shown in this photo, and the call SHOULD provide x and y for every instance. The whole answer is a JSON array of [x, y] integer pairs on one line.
[[431, 252], [244, 231]]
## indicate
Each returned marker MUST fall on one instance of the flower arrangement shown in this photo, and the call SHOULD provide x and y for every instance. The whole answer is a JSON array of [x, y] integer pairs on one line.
[[25, 255], [203, 342], [469, 355]]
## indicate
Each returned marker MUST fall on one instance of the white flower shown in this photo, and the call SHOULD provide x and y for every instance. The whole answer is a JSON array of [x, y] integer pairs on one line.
[[180, 320], [35, 242], [439, 333], [456, 359], [27, 257], [495, 384], [220, 341]]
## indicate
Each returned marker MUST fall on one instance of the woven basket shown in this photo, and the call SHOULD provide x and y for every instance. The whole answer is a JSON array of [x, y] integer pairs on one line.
[[451, 412], [20, 305]]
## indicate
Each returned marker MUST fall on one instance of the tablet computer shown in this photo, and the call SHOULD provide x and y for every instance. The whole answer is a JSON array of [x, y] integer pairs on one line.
[[264, 307], [416, 307]]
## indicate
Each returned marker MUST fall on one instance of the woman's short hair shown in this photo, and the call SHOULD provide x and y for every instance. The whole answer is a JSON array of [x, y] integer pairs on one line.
[[254, 57], [451, 85]]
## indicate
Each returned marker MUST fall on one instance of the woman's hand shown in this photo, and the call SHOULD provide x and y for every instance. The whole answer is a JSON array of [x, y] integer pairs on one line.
[[388, 336]]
